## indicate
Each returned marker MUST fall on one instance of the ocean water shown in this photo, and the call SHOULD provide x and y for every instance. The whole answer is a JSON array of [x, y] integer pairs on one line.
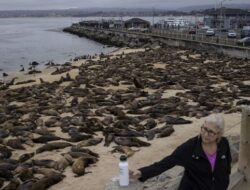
[[23, 40]]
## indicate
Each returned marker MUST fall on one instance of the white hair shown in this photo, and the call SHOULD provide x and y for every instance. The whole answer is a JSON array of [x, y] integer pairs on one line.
[[217, 120]]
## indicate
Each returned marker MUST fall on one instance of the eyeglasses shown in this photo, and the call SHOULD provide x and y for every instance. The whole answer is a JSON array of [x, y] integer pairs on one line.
[[208, 131]]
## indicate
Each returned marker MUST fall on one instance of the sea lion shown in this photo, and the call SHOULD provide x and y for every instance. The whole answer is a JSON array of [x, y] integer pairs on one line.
[[6, 174], [130, 141], [76, 137], [137, 83], [50, 112], [150, 124], [109, 137], [89, 142], [150, 134], [46, 138], [45, 171], [176, 121], [79, 166], [53, 146], [47, 182], [93, 159], [25, 157], [7, 166], [14, 183], [43, 131], [5, 152], [74, 102], [4, 133], [27, 184], [107, 120], [124, 132], [85, 150], [124, 149], [24, 173], [86, 129], [14, 143], [166, 132], [45, 163], [64, 162]]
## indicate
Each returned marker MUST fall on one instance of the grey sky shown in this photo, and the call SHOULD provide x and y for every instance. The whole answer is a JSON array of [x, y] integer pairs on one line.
[[62, 4]]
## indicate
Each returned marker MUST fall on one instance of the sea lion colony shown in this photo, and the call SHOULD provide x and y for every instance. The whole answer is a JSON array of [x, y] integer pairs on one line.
[[120, 101]]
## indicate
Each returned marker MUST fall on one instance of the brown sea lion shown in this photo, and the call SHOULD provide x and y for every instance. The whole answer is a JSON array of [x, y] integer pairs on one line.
[[53, 146], [43, 131], [45, 171], [93, 159], [176, 120], [13, 185], [79, 166], [76, 137], [74, 102], [107, 120], [124, 149], [86, 129], [27, 184], [150, 124], [45, 163], [137, 83], [24, 173], [47, 182], [14, 143], [64, 162], [85, 150], [50, 112], [46, 138], [166, 132], [109, 137], [7, 166], [150, 134], [130, 141], [6, 174], [25, 157], [5, 152], [89, 142], [4, 133]]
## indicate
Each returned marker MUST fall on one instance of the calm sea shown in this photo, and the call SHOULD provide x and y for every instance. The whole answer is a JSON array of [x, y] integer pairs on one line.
[[23, 40]]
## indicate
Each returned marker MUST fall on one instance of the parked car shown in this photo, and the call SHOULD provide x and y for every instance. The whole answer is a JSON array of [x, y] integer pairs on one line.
[[231, 34], [210, 32], [205, 27], [134, 29], [244, 41]]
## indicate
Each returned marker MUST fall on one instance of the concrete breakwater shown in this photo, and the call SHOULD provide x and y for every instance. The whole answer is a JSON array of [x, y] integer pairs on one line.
[[112, 38], [134, 40]]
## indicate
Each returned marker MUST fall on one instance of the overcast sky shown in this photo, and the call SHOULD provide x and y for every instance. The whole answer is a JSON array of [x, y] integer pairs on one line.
[[62, 4]]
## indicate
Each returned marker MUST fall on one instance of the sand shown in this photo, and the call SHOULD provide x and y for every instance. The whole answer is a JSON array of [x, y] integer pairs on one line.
[[107, 166]]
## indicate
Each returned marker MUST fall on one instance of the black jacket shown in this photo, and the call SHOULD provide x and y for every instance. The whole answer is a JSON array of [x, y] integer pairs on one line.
[[198, 174]]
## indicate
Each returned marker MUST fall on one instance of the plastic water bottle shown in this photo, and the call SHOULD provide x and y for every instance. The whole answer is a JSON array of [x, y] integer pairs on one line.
[[124, 174]]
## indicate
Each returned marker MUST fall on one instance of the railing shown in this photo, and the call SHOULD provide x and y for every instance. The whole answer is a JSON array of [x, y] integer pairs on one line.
[[179, 35]]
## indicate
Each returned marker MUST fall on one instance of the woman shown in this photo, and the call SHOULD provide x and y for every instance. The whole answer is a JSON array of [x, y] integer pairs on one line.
[[206, 159]]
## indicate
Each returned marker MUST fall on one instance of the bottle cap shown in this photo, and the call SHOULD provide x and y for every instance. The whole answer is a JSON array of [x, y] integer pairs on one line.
[[123, 158]]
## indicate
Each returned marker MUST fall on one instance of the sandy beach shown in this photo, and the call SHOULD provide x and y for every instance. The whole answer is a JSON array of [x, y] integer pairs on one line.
[[107, 166]]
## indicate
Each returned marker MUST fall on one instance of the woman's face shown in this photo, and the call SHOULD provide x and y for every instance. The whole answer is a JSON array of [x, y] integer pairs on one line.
[[209, 133]]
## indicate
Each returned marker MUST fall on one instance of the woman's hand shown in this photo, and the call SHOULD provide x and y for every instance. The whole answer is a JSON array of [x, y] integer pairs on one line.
[[134, 175]]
